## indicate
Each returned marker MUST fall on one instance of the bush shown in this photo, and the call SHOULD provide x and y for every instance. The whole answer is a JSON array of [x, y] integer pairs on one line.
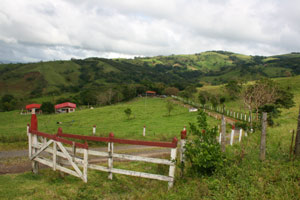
[[128, 112], [203, 152], [47, 107]]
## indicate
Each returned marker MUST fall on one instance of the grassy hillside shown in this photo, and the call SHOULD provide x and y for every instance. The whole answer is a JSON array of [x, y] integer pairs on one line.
[[30, 80]]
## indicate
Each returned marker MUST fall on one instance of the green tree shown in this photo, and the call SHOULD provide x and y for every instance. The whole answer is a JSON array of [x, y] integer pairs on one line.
[[233, 88], [171, 91], [128, 112], [47, 107], [169, 106], [8, 102], [204, 97]]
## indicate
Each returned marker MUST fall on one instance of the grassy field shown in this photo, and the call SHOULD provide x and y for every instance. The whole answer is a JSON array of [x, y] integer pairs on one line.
[[243, 175], [151, 112]]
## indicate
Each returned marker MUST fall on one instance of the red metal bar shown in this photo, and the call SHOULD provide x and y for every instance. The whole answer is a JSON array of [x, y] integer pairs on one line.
[[111, 138], [58, 139], [83, 137]]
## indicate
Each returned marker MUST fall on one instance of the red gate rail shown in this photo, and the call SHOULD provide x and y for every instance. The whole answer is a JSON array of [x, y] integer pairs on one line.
[[111, 138], [58, 139]]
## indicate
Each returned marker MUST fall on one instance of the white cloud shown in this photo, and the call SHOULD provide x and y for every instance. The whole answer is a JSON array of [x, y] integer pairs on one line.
[[58, 29]]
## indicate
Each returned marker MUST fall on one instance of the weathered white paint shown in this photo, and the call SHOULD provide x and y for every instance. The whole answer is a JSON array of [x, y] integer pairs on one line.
[[172, 167], [220, 138], [94, 130], [231, 137], [182, 149], [34, 163], [85, 165], [143, 159], [241, 133], [54, 153], [29, 142], [110, 158]]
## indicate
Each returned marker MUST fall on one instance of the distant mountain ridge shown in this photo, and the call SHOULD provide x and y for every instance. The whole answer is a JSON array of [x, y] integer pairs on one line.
[[213, 67]]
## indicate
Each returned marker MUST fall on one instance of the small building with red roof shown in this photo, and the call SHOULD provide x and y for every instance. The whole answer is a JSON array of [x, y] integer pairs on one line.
[[66, 107], [33, 107], [150, 93]]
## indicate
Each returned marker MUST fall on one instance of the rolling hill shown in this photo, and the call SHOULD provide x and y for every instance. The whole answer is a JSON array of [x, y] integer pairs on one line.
[[31, 80]]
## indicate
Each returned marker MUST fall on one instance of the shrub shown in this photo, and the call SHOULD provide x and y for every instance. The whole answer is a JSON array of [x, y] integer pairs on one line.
[[127, 112], [203, 152], [47, 107]]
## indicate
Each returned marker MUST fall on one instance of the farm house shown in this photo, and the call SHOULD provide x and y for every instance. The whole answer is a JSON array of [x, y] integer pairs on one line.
[[150, 93], [34, 107], [66, 107]]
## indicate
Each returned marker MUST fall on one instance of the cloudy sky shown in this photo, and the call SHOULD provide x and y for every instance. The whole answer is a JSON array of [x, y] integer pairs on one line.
[[34, 30]]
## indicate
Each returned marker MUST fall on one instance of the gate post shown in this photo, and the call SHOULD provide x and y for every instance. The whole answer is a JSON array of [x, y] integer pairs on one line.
[[232, 135], [110, 155], [85, 164], [172, 167]]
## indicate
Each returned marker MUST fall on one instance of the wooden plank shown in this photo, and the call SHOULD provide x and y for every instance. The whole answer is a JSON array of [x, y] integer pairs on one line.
[[131, 173], [35, 165], [68, 171], [69, 159], [143, 159], [54, 153], [29, 144], [41, 149], [142, 174], [110, 159], [97, 153], [85, 165], [44, 161], [172, 167]]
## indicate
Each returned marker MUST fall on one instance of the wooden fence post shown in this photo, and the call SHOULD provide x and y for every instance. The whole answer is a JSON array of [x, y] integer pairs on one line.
[[182, 148], [241, 133], [29, 141], [144, 131], [85, 164], [110, 156], [297, 140], [263, 137], [172, 167], [94, 130], [34, 164], [232, 135], [223, 129]]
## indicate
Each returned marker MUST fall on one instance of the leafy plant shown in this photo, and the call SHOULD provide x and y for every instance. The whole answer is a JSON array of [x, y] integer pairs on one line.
[[128, 112], [170, 107], [47, 107], [203, 152]]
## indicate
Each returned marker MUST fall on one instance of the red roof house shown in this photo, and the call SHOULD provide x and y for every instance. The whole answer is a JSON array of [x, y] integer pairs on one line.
[[150, 93], [65, 107]]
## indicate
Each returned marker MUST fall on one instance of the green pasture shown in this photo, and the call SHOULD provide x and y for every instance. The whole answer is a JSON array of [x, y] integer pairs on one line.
[[151, 112]]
